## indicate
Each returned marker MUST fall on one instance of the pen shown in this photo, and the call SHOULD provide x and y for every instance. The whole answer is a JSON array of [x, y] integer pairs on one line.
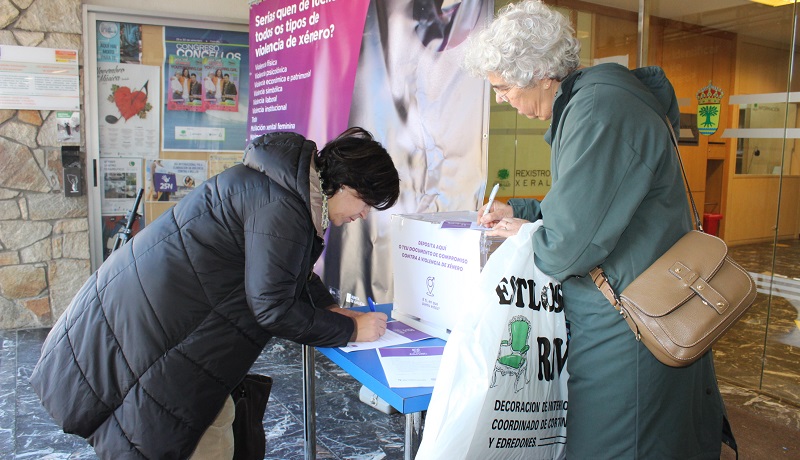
[[491, 197], [371, 304]]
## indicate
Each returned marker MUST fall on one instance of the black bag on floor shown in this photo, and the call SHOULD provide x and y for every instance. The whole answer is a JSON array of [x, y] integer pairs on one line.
[[250, 400]]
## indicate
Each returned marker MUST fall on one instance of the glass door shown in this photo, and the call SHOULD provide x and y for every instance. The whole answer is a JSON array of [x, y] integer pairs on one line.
[[732, 64]]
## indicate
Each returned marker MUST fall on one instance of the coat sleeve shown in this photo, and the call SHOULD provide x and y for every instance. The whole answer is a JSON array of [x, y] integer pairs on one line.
[[600, 183], [277, 278], [319, 293], [526, 208]]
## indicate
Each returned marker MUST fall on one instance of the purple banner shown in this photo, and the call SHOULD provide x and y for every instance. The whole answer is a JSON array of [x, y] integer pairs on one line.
[[303, 59]]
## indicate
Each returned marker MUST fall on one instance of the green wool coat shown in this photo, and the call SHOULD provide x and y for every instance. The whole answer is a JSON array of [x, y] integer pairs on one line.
[[618, 200]]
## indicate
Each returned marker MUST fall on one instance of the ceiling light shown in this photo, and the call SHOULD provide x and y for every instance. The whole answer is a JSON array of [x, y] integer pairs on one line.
[[774, 2]]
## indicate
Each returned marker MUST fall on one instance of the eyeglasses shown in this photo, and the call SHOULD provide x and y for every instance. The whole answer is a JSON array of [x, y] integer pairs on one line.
[[502, 95]]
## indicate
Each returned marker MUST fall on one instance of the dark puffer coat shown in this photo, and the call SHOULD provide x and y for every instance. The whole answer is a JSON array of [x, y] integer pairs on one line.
[[144, 357]]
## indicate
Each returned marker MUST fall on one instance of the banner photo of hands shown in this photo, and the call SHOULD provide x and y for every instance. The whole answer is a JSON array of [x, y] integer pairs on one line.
[[501, 390]]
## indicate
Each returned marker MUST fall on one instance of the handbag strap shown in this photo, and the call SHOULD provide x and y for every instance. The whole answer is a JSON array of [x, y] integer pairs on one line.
[[697, 221], [599, 276], [601, 281]]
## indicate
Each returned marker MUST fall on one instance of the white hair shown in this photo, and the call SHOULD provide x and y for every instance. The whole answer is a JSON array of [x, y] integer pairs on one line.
[[527, 42]]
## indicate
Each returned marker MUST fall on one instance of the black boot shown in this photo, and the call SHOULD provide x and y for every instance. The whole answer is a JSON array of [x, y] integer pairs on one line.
[[250, 399]]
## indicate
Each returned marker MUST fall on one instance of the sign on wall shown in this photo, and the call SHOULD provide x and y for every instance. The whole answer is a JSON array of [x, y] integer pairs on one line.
[[38, 78]]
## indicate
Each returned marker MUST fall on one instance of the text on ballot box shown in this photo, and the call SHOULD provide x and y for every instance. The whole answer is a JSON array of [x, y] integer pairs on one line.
[[436, 261]]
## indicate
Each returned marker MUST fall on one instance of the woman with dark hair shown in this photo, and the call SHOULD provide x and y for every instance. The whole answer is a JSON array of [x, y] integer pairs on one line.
[[184, 79], [143, 361]]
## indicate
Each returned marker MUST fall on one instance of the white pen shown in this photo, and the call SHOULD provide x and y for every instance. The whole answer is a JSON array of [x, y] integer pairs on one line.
[[491, 198]]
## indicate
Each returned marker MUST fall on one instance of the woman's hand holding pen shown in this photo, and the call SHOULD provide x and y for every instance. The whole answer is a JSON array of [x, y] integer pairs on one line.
[[498, 216], [490, 217], [500, 219], [369, 327]]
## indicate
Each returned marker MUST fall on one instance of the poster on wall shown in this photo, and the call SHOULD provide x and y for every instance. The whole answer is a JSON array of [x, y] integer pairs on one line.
[[119, 42], [171, 180], [184, 91], [218, 162], [68, 124], [121, 179], [127, 96], [178, 84], [221, 84], [303, 59], [38, 78], [197, 116]]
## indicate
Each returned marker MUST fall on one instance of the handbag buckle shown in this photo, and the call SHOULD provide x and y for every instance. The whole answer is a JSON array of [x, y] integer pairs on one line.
[[604, 285], [692, 280]]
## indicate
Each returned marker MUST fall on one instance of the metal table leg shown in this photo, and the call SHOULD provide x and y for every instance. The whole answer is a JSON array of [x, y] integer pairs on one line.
[[309, 405], [413, 434]]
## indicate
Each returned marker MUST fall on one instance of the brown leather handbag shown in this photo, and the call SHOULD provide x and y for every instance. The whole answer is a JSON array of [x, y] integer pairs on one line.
[[686, 301]]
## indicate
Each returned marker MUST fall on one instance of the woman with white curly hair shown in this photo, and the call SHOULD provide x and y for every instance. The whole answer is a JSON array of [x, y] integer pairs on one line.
[[618, 201]]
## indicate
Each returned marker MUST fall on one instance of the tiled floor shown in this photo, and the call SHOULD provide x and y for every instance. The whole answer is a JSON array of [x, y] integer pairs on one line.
[[346, 427], [763, 350], [766, 427]]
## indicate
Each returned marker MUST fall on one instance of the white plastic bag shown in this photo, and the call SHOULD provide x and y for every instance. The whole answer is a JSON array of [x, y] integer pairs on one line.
[[501, 390]]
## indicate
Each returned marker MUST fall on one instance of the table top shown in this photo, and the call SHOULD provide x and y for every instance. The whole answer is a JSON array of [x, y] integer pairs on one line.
[[365, 366]]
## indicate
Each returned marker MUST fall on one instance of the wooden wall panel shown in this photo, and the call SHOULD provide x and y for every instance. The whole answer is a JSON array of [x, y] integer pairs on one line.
[[753, 213], [752, 201], [614, 37]]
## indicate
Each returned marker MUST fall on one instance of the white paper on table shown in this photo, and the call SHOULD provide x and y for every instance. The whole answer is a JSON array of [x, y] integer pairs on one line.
[[397, 333], [410, 366]]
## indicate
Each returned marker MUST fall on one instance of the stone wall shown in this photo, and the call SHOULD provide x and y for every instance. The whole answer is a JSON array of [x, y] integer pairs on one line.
[[44, 238]]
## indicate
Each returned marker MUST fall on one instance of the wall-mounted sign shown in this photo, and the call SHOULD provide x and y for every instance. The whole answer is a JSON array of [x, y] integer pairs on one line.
[[38, 78], [708, 109]]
